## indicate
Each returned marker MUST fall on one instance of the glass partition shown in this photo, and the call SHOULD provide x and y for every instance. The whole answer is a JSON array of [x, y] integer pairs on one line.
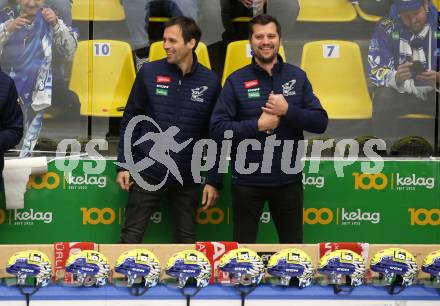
[[373, 71]]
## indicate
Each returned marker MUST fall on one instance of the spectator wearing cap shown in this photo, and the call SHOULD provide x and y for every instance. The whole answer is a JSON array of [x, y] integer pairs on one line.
[[402, 60]]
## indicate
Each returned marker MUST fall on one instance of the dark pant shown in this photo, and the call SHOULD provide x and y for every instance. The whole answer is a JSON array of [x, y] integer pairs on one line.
[[285, 205], [142, 203]]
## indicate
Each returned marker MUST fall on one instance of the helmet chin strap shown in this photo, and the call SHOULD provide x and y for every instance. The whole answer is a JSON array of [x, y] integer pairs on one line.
[[188, 295], [28, 294], [395, 284], [244, 291], [337, 288]]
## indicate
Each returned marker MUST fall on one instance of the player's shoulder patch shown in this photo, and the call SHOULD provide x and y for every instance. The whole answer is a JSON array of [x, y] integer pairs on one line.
[[386, 23]]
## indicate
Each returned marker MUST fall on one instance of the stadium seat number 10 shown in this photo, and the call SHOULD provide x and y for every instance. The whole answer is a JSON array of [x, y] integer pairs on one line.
[[101, 49]]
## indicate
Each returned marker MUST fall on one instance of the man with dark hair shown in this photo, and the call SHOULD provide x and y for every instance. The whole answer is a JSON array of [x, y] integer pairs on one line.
[[178, 95], [11, 118], [402, 61], [267, 104]]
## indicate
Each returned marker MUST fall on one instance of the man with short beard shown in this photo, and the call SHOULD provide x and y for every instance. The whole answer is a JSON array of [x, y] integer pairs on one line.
[[267, 101]]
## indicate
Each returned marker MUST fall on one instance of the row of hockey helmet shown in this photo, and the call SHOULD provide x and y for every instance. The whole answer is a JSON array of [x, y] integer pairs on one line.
[[394, 266]]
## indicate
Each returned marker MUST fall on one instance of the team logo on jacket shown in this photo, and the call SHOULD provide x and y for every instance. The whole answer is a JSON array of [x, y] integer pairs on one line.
[[197, 93], [288, 88]]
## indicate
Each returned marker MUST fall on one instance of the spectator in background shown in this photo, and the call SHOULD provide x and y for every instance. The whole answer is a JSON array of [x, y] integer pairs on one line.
[[11, 118], [28, 33], [137, 13], [403, 66], [62, 8]]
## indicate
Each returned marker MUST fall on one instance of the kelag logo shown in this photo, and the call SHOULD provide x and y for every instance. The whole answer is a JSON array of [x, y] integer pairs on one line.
[[50, 181], [423, 216], [355, 217], [315, 181], [96, 216], [396, 181], [317, 216], [83, 181], [367, 181], [29, 216], [340, 216], [411, 182]]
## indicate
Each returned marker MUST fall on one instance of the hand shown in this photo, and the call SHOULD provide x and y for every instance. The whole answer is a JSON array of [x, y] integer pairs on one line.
[[276, 105], [17, 23], [429, 76], [49, 16], [267, 122], [209, 196], [403, 73], [123, 179]]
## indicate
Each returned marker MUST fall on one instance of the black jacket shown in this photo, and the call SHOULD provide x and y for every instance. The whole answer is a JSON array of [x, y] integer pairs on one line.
[[162, 93], [239, 107]]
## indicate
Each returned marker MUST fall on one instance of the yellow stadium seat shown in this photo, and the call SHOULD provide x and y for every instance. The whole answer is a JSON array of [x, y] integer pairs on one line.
[[336, 72], [238, 55], [242, 19], [102, 76], [97, 10], [417, 116], [158, 19], [326, 11], [436, 3], [157, 52], [365, 16]]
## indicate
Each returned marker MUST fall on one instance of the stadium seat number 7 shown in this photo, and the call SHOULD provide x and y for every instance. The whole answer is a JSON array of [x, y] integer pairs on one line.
[[330, 51]]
